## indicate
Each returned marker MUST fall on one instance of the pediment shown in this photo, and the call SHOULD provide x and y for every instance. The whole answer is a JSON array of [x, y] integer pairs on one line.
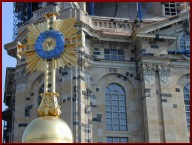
[[150, 31]]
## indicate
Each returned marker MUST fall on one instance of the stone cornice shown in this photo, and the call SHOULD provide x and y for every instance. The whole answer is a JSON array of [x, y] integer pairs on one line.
[[146, 30], [181, 64], [11, 48], [117, 64], [153, 36], [163, 23], [10, 45], [141, 33], [104, 34]]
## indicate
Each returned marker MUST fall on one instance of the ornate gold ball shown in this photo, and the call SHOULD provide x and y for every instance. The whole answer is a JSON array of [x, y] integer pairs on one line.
[[47, 129]]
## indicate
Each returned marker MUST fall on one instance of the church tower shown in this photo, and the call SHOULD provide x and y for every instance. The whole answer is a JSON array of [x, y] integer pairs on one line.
[[131, 82]]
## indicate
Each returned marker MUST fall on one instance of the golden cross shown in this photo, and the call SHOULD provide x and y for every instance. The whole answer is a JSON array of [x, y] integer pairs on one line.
[[49, 104]]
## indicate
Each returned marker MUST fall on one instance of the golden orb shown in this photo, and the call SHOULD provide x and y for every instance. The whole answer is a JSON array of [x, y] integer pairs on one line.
[[47, 129]]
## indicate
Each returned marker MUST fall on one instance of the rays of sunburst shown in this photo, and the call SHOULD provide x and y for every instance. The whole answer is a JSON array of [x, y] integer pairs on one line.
[[34, 32], [58, 63], [66, 59], [67, 23], [70, 48], [42, 27], [71, 52], [34, 62], [31, 38], [58, 24], [69, 56], [40, 65], [70, 31], [65, 26]]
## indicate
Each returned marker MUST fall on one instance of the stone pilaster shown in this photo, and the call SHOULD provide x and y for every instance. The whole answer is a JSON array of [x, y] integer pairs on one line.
[[20, 95], [166, 89], [150, 102]]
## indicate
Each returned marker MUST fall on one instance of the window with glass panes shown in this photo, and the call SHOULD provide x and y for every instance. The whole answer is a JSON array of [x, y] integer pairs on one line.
[[114, 54], [117, 139], [116, 115], [171, 8], [186, 92], [185, 43]]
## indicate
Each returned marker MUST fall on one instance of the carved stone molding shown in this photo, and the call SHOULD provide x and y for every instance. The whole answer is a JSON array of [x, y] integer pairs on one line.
[[164, 69], [164, 72], [148, 71]]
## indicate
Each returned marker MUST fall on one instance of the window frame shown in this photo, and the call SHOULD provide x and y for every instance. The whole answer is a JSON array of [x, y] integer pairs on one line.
[[167, 5], [115, 114], [114, 54], [120, 139]]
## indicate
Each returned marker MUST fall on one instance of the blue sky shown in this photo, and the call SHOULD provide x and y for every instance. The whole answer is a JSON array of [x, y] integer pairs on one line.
[[7, 31], [7, 24]]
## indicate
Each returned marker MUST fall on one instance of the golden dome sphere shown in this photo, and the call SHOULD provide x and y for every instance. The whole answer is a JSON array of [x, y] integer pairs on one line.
[[47, 129]]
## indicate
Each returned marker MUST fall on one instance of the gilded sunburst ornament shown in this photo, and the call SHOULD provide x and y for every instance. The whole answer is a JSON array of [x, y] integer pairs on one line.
[[58, 43]]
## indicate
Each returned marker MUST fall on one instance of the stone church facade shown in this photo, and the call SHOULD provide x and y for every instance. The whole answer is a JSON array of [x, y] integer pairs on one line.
[[128, 85]]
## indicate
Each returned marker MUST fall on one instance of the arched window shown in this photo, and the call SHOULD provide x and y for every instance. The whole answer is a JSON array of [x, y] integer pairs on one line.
[[186, 92], [41, 90], [116, 114]]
